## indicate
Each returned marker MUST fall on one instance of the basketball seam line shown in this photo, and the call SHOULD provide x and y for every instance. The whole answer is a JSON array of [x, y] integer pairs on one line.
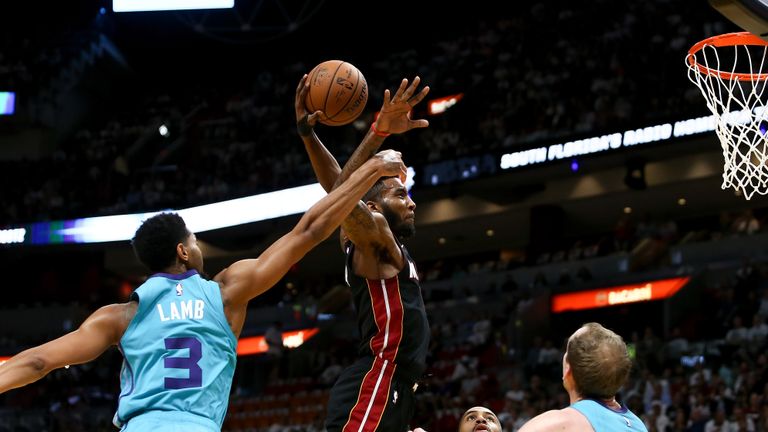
[[330, 86], [354, 90]]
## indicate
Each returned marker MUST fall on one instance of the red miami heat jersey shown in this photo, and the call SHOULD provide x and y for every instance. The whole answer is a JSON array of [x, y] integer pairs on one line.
[[391, 315]]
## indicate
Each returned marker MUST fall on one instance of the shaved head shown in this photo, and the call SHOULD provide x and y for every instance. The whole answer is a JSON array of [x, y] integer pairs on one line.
[[479, 418], [478, 408]]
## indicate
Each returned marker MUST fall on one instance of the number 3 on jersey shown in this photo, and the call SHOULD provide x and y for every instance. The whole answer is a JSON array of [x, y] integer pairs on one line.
[[189, 363]]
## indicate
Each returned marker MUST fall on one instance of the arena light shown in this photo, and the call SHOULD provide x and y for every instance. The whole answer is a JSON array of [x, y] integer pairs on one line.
[[15, 235], [257, 344], [160, 5], [201, 218], [89, 230], [254, 208], [410, 179], [439, 106], [7, 103], [612, 296]]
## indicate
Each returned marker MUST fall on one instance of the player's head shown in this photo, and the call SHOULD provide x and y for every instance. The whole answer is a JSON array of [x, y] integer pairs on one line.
[[479, 419], [390, 197], [596, 362], [164, 240]]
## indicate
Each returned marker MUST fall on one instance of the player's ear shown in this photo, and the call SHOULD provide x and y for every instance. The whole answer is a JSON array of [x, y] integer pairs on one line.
[[181, 252], [567, 372], [373, 206]]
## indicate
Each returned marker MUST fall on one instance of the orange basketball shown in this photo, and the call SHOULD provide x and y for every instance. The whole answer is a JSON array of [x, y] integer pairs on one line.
[[338, 89]]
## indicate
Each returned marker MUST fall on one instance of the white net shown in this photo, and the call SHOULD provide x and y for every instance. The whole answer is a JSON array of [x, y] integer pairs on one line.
[[732, 79]]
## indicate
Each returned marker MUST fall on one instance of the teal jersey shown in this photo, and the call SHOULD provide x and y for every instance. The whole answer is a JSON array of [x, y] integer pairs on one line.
[[179, 353], [604, 419]]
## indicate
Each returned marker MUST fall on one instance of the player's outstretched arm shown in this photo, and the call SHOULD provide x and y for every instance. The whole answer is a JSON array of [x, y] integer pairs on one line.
[[246, 279], [100, 331]]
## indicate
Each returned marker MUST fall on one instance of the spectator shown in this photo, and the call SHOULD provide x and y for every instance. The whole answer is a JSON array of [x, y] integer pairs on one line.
[[719, 423], [275, 349], [745, 224]]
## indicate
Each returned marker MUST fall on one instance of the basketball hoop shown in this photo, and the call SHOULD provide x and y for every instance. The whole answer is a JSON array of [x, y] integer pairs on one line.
[[731, 71]]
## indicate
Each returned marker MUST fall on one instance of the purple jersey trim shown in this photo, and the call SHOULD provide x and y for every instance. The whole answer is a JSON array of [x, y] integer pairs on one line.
[[130, 372], [622, 410], [178, 276]]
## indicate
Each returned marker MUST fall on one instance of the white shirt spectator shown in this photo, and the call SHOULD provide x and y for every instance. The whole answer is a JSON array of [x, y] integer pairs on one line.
[[759, 330], [701, 376], [480, 332], [274, 338], [515, 395], [737, 336], [549, 354], [719, 423], [677, 346]]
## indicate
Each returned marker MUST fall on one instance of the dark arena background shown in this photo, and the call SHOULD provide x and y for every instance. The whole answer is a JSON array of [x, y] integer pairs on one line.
[[569, 174]]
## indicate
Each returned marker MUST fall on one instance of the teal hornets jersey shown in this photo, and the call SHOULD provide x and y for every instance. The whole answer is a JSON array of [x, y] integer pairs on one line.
[[604, 419], [179, 354]]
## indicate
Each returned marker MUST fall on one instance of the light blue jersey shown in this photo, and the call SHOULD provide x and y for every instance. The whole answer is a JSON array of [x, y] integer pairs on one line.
[[179, 357], [604, 419]]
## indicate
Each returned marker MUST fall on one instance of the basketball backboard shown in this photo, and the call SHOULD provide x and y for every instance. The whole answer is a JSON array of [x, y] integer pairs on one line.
[[751, 15]]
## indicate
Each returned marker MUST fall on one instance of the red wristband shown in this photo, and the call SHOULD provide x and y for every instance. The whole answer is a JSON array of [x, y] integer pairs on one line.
[[377, 133]]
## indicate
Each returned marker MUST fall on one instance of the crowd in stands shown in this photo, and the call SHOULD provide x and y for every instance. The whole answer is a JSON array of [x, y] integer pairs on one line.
[[535, 76]]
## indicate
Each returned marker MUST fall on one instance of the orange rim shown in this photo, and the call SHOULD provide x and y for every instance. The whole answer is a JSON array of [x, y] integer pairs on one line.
[[726, 40]]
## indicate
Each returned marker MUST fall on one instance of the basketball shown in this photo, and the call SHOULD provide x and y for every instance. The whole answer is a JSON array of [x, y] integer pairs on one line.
[[338, 89]]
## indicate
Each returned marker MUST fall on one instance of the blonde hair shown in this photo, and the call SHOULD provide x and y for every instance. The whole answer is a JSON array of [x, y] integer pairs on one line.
[[599, 361]]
